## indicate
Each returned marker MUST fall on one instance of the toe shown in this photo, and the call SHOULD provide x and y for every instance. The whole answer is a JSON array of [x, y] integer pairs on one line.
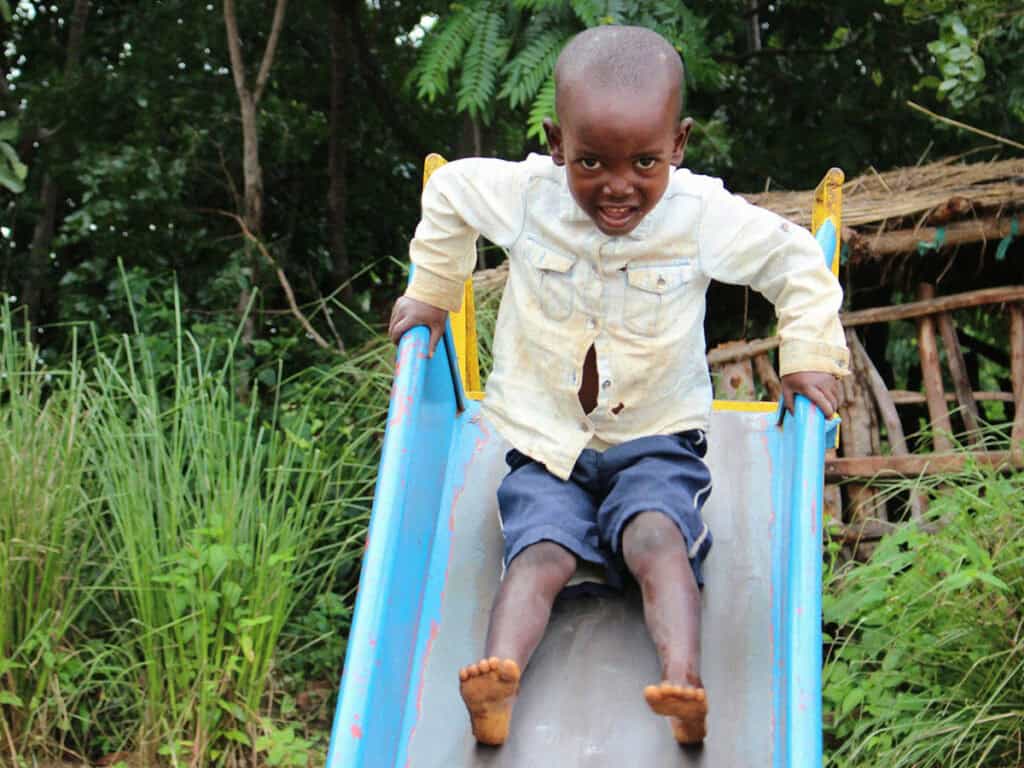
[[508, 670]]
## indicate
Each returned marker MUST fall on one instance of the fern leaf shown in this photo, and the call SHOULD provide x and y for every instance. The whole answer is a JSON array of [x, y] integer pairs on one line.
[[590, 12], [442, 52], [543, 107], [527, 71], [484, 57]]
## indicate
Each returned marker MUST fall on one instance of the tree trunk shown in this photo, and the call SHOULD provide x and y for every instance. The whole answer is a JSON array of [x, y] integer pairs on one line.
[[249, 102], [337, 154], [36, 286]]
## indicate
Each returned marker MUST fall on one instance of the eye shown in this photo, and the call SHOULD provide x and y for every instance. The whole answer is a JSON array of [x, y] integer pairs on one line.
[[646, 163], [590, 163]]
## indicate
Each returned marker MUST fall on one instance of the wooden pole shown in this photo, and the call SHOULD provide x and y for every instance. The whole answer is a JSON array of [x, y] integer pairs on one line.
[[914, 465], [905, 397], [769, 378], [957, 233], [961, 381], [1017, 376], [1015, 293], [931, 373], [859, 437], [734, 380], [891, 419]]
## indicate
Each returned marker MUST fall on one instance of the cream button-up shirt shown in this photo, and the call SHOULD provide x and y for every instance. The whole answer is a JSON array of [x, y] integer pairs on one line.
[[638, 299]]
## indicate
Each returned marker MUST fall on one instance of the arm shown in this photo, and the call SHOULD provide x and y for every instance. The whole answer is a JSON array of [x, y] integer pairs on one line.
[[746, 245], [462, 200]]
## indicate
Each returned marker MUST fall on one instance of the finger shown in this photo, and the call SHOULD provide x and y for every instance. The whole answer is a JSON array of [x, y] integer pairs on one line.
[[824, 403], [787, 395], [396, 329], [435, 336]]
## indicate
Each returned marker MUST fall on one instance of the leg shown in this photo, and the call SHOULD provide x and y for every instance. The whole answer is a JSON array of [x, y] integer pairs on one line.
[[521, 611], [655, 553]]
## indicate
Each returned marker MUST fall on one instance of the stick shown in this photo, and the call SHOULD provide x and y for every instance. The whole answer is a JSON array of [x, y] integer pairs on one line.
[[282, 279], [739, 350], [961, 381], [906, 397], [887, 409], [931, 372], [914, 465], [965, 126], [1017, 376]]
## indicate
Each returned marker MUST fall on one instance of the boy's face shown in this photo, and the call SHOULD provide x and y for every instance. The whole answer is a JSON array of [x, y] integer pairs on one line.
[[619, 148]]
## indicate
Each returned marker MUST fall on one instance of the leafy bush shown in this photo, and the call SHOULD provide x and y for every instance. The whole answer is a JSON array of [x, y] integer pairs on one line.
[[217, 521], [927, 662]]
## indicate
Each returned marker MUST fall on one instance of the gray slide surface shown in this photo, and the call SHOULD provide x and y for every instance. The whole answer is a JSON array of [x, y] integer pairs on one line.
[[581, 701]]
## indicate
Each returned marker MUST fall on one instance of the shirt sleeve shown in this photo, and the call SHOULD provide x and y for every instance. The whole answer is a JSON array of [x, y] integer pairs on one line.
[[742, 244], [462, 200]]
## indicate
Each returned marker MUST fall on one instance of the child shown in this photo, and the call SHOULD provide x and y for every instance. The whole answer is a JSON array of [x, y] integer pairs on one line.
[[600, 382]]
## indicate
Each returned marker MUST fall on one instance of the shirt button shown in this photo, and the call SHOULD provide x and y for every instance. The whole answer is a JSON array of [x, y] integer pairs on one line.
[[591, 324], [606, 383], [584, 427]]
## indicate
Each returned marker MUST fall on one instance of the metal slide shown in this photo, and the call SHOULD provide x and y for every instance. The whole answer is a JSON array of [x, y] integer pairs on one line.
[[433, 563]]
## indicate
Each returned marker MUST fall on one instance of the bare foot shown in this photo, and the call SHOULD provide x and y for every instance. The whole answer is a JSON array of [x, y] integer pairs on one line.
[[489, 689], [686, 705]]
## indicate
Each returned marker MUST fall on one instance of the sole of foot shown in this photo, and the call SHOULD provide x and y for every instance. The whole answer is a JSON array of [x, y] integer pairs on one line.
[[489, 690], [685, 706]]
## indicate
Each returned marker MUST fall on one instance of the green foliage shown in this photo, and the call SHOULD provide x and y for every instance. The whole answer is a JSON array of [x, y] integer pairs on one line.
[[520, 44], [218, 520], [927, 662], [12, 170], [43, 554], [968, 36]]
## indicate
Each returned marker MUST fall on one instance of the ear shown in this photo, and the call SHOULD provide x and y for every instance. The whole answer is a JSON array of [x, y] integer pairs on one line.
[[679, 147], [554, 134]]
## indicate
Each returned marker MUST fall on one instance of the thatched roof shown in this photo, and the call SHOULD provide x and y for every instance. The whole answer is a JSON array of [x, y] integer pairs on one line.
[[921, 192]]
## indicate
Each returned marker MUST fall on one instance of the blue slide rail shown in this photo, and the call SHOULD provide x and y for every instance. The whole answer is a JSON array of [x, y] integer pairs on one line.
[[383, 658]]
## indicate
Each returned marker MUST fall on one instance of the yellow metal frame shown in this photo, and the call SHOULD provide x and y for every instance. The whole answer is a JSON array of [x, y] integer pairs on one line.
[[828, 204], [463, 322]]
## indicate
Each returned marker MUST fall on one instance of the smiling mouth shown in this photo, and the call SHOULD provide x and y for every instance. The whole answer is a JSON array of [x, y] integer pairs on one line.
[[617, 215]]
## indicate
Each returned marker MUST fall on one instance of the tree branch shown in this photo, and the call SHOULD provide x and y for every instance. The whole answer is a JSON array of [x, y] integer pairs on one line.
[[270, 50], [286, 286], [235, 49]]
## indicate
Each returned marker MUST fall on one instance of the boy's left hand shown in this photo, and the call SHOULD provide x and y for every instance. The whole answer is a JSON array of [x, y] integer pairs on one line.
[[822, 389]]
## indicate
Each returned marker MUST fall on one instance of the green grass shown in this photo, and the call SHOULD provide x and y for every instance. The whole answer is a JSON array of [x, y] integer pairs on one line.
[[176, 562], [218, 519], [42, 551], [927, 664]]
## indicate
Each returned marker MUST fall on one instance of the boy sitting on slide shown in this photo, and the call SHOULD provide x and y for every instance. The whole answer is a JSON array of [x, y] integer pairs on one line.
[[600, 382]]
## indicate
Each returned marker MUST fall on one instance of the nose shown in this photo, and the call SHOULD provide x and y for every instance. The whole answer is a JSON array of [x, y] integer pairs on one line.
[[618, 186]]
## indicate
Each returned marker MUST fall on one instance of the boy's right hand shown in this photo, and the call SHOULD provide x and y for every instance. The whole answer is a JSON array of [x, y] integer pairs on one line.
[[408, 313]]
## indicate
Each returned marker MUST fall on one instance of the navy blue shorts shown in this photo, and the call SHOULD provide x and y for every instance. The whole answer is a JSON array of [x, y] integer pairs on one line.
[[587, 513]]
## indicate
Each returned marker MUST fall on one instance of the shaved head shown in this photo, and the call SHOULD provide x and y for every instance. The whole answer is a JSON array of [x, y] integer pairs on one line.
[[618, 58]]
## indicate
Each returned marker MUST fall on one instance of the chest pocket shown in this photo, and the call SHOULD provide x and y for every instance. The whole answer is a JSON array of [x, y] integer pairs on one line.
[[652, 293], [551, 275]]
